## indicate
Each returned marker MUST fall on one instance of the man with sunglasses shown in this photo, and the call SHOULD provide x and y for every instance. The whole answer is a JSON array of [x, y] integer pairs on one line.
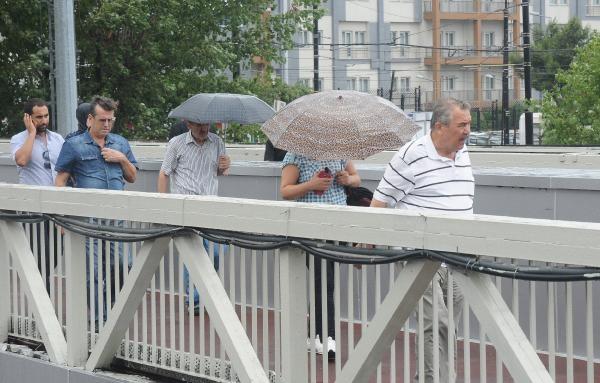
[[99, 159], [35, 150]]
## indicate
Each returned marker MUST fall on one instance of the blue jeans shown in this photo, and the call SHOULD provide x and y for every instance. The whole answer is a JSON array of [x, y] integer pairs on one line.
[[186, 274], [110, 253]]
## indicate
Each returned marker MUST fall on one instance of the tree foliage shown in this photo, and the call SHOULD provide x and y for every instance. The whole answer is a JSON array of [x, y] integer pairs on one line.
[[150, 55], [553, 48], [571, 109]]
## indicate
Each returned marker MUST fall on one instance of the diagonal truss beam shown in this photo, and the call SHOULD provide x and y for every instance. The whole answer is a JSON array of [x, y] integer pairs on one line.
[[222, 314], [388, 320], [14, 238], [502, 328], [127, 302]]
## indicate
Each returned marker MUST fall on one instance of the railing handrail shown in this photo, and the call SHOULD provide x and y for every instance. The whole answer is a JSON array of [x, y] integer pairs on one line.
[[504, 237]]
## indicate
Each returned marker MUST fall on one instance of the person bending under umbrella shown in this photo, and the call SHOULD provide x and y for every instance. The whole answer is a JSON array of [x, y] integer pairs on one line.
[[319, 181], [193, 161]]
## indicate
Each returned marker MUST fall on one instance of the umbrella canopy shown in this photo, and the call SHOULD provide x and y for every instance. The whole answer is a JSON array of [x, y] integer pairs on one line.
[[223, 107], [339, 124]]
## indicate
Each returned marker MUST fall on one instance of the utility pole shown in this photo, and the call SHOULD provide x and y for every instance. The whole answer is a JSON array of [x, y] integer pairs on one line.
[[66, 78], [52, 63], [316, 86], [505, 108], [392, 85], [527, 73]]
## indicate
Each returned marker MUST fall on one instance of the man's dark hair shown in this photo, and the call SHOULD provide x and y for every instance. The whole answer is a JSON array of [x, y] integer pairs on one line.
[[33, 102], [442, 110], [105, 103]]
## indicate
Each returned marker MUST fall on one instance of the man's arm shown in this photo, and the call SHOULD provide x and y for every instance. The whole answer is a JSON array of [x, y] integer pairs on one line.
[[23, 154], [163, 182], [377, 203], [61, 179]]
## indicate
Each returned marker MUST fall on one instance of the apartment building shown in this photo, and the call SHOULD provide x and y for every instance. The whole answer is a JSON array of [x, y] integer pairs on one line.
[[409, 47], [588, 11]]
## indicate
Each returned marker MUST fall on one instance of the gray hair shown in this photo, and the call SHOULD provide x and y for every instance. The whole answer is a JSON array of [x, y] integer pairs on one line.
[[442, 110]]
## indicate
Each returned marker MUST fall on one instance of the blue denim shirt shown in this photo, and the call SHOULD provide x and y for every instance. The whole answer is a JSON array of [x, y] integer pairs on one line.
[[80, 156]]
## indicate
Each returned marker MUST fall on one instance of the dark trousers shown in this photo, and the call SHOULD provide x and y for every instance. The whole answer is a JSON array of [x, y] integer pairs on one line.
[[319, 301], [40, 236]]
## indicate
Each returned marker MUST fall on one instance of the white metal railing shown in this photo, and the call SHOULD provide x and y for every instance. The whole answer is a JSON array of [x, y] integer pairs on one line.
[[258, 285], [354, 52], [592, 10], [468, 6]]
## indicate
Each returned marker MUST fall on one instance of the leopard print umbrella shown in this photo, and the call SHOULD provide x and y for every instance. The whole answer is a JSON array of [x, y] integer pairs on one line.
[[339, 124]]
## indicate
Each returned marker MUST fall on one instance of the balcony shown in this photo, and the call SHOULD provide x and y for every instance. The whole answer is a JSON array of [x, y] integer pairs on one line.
[[252, 322], [592, 10], [467, 55], [355, 52], [467, 10], [398, 52]]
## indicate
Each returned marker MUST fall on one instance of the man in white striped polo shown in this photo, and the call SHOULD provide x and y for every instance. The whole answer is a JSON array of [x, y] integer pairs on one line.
[[433, 174], [193, 161]]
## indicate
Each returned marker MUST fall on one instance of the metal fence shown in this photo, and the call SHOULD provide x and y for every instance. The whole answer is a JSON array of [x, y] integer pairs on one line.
[[166, 333]]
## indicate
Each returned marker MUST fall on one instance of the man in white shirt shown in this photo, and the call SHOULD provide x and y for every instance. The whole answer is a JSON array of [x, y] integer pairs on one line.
[[36, 149], [433, 174]]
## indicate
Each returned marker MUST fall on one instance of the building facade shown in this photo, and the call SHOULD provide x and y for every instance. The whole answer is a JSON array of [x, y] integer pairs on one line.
[[411, 51]]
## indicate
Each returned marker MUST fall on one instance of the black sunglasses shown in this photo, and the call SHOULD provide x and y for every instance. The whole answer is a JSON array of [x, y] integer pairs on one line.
[[46, 157]]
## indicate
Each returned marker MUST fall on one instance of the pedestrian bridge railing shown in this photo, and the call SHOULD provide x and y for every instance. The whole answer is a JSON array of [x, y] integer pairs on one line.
[[257, 294]]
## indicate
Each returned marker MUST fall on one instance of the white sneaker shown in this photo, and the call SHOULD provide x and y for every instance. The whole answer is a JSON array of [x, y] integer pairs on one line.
[[330, 344], [330, 348], [318, 346]]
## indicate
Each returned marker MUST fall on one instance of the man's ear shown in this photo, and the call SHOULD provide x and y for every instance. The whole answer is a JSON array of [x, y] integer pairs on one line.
[[88, 122]]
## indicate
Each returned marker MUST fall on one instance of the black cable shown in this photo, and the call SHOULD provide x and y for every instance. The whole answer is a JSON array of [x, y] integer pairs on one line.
[[323, 250]]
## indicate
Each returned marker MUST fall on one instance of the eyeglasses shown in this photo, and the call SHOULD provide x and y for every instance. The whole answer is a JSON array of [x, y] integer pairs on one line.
[[105, 121], [46, 157]]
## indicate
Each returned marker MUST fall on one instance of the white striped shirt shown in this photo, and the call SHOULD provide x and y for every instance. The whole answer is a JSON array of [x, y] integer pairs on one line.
[[191, 167], [418, 178]]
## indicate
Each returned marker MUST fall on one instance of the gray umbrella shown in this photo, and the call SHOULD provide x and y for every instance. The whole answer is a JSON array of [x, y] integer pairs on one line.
[[223, 107]]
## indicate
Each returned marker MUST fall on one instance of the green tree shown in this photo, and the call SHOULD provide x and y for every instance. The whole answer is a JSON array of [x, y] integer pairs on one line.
[[23, 58], [150, 55], [552, 49], [571, 109]]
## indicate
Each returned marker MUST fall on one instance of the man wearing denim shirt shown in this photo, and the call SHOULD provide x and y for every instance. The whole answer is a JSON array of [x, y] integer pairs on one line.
[[98, 159]]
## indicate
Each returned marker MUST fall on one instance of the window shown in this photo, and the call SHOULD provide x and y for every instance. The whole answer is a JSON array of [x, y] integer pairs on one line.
[[351, 83], [489, 43], [448, 42], [448, 39], [352, 41], [489, 86], [400, 39], [307, 82], [558, 2], [347, 39], [359, 37], [404, 84], [448, 83], [363, 83]]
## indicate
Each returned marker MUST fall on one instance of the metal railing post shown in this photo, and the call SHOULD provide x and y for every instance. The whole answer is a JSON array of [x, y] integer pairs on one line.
[[4, 291], [77, 345], [292, 274]]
